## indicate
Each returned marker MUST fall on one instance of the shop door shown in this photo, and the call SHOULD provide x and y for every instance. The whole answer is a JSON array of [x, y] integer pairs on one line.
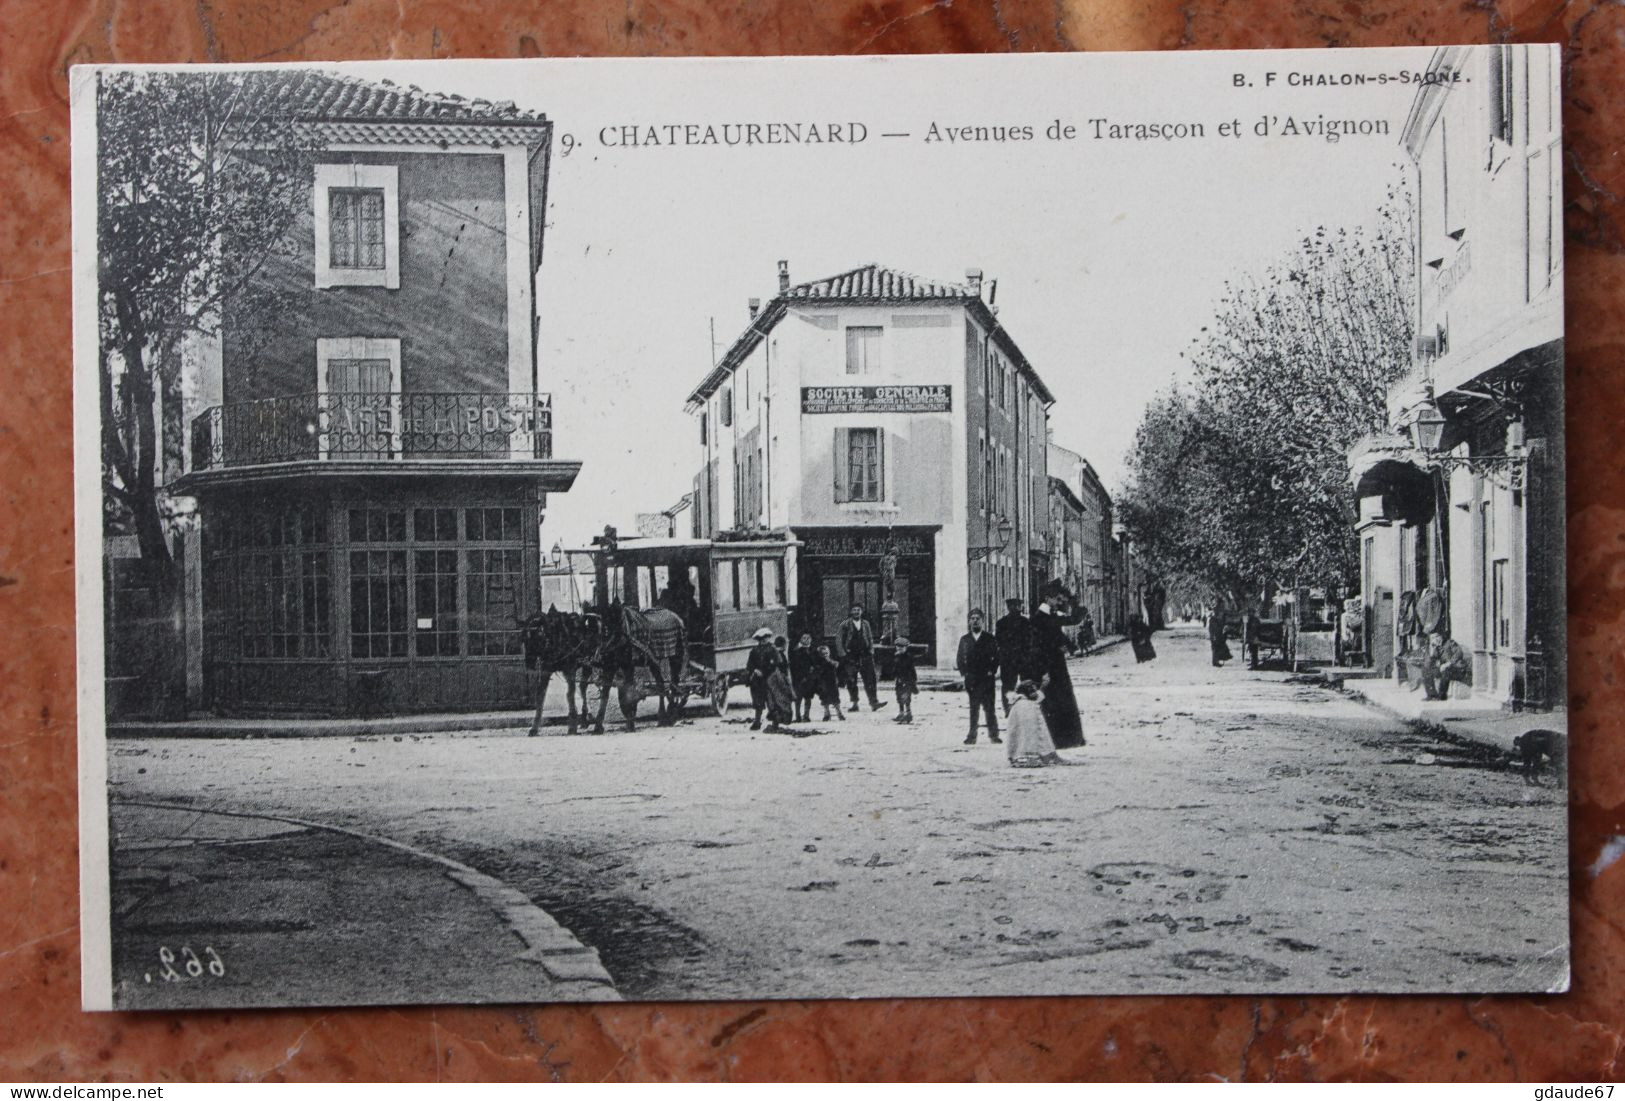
[[840, 594], [1380, 631]]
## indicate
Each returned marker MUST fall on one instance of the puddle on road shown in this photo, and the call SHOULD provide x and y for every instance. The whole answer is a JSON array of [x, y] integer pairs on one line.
[[1212, 961]]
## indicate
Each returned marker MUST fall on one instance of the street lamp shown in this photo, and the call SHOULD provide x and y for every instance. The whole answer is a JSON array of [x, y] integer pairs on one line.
[[1427, 433], [556, 555], [1427, 426]]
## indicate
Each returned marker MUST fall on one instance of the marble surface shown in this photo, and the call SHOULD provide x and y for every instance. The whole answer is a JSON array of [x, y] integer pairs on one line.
[[45, 1036]]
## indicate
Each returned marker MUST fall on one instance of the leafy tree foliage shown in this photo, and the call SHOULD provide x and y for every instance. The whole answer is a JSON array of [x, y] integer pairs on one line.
[[199, 180], [1237, 484]]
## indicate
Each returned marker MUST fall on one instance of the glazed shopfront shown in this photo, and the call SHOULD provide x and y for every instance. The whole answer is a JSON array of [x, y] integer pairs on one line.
[[842, 567], [344, 582]]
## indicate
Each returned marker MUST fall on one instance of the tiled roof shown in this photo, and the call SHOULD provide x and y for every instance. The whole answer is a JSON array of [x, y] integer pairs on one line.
[[873, 283], [868, 284], [316, 96]]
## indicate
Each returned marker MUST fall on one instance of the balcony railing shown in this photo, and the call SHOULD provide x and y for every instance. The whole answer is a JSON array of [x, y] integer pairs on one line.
[[373, 427]]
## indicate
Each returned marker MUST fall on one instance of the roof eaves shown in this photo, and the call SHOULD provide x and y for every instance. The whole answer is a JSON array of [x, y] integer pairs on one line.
[[985, 315], [743, 345]]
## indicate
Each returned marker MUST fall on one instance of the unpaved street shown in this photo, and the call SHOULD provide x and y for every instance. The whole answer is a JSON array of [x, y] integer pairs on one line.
[[1222, 830]]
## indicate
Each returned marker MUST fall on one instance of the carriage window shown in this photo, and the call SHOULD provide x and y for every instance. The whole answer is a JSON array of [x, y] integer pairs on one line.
[[750, 585], [725, 585], [773, 584]]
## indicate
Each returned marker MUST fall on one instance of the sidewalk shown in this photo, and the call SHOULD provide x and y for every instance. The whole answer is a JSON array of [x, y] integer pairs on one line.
[[224, 727], [1479, 720], [218, 909]]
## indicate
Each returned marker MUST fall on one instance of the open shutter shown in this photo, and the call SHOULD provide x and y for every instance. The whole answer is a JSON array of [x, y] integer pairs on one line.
[[839, 459], [881, 479]]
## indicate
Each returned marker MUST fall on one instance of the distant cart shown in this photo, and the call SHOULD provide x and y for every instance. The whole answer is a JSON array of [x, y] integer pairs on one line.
[[725, 590], [1264, 640], [1300, 631]]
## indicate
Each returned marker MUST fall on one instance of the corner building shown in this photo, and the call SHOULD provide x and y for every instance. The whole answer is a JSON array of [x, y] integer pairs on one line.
[[873, 411], [371, 463]]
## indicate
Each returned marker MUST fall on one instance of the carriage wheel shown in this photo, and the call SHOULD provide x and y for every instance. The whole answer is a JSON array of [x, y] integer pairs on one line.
[[717, 690]]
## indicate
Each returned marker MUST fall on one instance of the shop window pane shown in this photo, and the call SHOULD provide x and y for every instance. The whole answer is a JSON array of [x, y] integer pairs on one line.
[[378, 604], [436, 606], [377, 525], [494, 525], [434, 525], [495, 582]]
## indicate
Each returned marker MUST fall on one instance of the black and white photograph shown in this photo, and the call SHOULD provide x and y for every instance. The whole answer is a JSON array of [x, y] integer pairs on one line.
[[649, 530]]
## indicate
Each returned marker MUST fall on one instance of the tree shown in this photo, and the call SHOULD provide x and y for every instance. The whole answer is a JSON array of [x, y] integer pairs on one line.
[[1240, 487], [199, 179]]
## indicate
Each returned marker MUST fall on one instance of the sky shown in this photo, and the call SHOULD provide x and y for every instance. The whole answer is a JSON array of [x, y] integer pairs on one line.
[[1110, 255]]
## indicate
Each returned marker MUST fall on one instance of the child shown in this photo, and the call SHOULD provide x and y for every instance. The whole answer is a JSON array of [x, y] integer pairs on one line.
[[781, 697], [1030, 744], [804, 676], [828, 672], [906, 679]]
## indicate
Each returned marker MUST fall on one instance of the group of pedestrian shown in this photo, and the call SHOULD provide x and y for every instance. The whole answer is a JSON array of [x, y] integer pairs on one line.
[[784, 682], [1026, 656]]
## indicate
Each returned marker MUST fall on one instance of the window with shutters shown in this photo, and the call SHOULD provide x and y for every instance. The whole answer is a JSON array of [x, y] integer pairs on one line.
[[863, 471], [863, 349], [357, 225]]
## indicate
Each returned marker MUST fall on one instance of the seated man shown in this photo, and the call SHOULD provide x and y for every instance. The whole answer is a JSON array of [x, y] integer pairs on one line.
[[1446, 662]]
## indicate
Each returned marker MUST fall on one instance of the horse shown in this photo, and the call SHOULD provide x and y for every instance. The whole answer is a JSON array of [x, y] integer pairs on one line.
[[565, 643], [657, 640]]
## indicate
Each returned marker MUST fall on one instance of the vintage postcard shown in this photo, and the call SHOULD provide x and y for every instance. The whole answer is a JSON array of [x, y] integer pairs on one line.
[[797, 528]]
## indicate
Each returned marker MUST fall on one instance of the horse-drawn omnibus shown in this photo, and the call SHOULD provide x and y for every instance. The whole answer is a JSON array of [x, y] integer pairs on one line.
[[723, 590]]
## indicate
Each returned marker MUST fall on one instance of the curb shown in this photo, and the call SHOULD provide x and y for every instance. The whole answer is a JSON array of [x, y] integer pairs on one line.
[[323, 728], [1492, 730], [565, 959]]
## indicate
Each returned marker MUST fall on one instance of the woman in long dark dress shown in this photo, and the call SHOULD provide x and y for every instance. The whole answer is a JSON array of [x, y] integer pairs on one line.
[[1215, 636], [1139, 637], [1048, 665]]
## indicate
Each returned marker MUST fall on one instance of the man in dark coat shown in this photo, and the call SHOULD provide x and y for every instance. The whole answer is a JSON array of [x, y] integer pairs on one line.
[[1015, 640], [1048, 663], [1215, 636], [855, 650], [978, 663]]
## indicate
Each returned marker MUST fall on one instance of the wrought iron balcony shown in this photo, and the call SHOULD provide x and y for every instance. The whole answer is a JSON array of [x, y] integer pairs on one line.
[[373, 427]]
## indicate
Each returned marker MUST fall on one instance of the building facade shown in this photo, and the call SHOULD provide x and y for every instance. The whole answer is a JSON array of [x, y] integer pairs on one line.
[[1096, 554], [895, 427], [371, 464], [1461, 497]]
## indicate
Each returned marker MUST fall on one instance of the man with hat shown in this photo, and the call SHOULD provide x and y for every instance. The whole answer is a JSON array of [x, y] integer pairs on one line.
[[764, 661], [855, 650], [1014, 636], [978, 663]]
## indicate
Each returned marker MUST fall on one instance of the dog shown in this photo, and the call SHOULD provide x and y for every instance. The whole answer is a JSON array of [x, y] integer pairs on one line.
[[1533, 748]]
